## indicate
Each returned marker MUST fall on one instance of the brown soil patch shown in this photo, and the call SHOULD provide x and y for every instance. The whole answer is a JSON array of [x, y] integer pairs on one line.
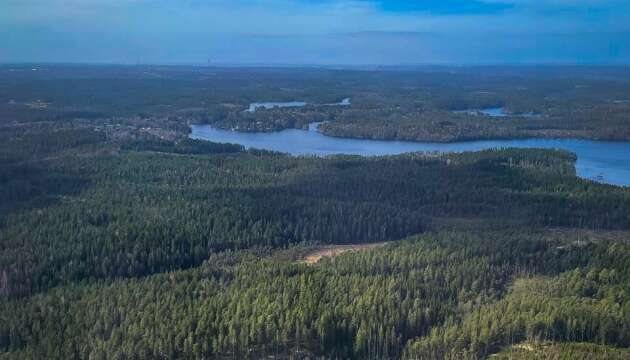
[[334, 250]]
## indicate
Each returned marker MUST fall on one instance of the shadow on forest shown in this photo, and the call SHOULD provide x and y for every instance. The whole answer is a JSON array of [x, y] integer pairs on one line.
[[26, 186]]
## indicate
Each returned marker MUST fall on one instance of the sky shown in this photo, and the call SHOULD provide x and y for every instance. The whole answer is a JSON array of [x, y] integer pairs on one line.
[[334, 32]]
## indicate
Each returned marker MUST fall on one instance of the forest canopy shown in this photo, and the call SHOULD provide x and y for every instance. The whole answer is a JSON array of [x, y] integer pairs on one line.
[[121, 238]]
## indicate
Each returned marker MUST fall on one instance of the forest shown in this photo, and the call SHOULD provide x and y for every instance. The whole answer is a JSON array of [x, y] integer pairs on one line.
[[416, 103], [443, 106], [120, 238]]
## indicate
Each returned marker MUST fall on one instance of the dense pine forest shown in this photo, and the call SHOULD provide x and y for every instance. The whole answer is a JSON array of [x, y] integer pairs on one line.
[[120, 238]]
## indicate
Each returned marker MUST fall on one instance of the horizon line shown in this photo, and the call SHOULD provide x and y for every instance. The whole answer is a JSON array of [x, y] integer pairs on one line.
[[210, 64]]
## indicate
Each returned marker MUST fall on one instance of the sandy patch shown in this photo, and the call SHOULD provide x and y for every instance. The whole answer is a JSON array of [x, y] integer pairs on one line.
[[336, 250]]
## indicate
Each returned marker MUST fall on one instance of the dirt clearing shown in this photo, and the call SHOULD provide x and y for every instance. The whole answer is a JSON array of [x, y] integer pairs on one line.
[[334, 250]]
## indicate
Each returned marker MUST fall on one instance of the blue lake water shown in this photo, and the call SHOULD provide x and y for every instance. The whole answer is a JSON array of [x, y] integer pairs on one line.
[[494, 112], [273, 104], [603, 161]]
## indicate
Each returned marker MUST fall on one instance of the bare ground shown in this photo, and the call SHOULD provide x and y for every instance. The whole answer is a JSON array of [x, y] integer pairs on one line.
[[335, 250]]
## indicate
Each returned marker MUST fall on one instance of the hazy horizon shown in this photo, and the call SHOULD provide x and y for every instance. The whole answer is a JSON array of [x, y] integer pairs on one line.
[[344, 66], [316, 32]]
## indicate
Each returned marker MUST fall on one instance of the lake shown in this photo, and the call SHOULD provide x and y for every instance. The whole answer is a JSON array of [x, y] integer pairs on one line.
[[494, 112], [273, 104], [603, 161]]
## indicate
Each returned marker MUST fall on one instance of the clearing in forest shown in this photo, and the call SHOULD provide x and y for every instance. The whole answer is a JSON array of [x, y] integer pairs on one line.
[[334, 250]]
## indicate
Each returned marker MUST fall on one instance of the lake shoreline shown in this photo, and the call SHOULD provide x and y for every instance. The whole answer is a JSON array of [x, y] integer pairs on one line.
[[601, 161], [555, 135]]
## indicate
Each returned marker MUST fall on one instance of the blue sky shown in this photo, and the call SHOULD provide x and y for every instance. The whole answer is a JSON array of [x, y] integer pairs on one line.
[[444, 7], [316, 31]]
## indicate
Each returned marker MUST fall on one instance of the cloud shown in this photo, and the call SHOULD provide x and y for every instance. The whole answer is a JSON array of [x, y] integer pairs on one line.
[[310, 31], [442, 7]]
